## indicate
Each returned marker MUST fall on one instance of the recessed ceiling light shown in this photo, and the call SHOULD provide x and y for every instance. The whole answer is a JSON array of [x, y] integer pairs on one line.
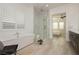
[[47, 5]]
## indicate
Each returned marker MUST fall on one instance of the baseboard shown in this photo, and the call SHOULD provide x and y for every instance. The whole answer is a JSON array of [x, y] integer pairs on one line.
[[25, 46]]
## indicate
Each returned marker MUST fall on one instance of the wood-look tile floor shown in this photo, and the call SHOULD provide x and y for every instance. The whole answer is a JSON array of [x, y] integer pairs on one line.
[[56, 46]]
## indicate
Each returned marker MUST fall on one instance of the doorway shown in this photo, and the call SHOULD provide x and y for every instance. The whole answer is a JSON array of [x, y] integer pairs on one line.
[[59, 25]]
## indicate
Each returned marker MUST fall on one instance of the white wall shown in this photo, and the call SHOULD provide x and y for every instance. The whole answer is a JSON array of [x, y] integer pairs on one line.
[[72, 16], [19, 14], [27, 35]]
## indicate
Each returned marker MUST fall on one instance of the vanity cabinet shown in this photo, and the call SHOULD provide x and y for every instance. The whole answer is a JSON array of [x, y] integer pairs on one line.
[[74, 40]]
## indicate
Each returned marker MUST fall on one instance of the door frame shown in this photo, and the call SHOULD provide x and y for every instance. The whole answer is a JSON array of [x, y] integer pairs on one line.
[[50, 24], [58, 23]]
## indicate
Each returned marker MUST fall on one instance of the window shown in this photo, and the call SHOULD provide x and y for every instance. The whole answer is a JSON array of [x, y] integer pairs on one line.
[[8, 25], [61, 25], [55, 25], [20, 26]]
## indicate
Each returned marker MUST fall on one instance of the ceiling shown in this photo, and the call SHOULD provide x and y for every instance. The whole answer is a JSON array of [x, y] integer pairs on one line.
[[49, 4], [43, 5], [38, 6], [46, 6]]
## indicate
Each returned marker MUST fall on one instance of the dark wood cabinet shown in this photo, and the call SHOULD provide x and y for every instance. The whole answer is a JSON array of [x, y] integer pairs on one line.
[[74, 40]]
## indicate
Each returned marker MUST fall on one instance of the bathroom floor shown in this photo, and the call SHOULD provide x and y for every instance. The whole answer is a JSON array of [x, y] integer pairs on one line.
[[56, 46]]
